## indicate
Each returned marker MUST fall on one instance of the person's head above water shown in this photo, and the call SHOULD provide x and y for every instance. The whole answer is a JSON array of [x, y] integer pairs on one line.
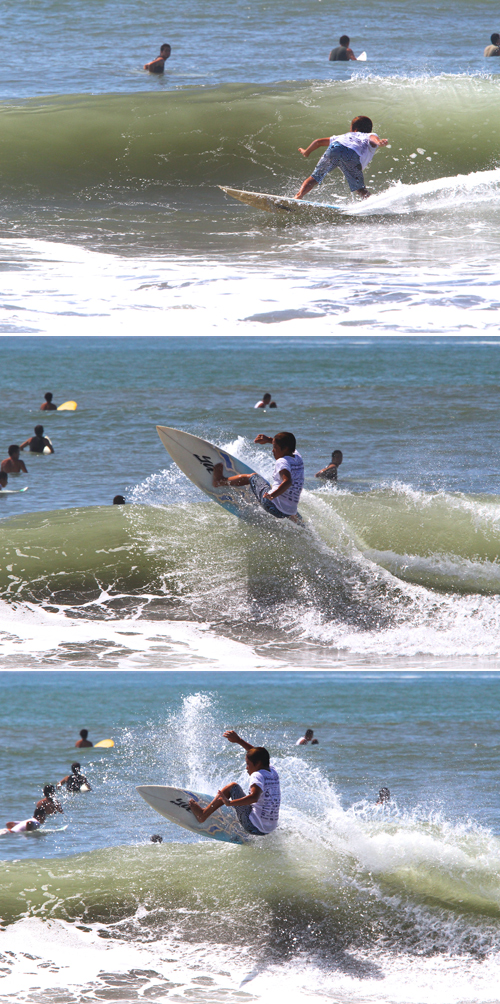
[[337, 457], [383, 796], [75, 767], [284, 444], [257, 757], [118, 500], [308, 734], [361, 124], [14, 452], [345, 41], [49, 790], [84, 733], [48, 397], [165, 50], [39, 430], [266, 398], [495, 38]]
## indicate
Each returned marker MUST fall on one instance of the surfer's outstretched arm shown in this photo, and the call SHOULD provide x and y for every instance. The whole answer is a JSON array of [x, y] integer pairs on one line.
[[233, 737]]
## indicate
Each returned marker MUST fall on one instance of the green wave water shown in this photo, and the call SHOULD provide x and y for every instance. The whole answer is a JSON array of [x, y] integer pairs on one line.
[[245, 135]]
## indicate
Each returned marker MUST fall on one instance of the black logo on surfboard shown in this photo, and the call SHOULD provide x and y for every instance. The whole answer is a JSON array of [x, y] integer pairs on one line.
[[180, 803], [207, 462]]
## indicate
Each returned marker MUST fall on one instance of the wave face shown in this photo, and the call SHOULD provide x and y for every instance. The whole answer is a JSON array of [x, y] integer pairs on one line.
[[395, 571], [245, 135]]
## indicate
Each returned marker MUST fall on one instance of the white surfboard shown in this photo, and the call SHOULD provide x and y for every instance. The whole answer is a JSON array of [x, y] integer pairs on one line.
[[173, 804], [281, 203], [361, 58], [42, 832], [13, 491], [196, 459]]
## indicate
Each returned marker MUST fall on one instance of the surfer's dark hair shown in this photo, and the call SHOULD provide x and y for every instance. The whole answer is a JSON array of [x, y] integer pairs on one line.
[[495, 38], [75, 766], [12, 449], [361, 124], [259, 754], [48, 790], [287, 440], [344, 40], [39, 430], [48, 396], [84, 733]]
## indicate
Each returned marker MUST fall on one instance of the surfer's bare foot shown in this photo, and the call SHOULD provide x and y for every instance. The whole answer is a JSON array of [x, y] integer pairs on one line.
[[218, 478], [196, 809], [363, 193]]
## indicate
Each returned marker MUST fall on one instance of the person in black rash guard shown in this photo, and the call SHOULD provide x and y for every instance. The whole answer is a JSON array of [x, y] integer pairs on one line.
[[38, 442], [75, 780]]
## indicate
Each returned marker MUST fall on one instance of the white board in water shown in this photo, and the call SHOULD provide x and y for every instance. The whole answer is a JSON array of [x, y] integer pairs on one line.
[[281, 203], [173, 804]]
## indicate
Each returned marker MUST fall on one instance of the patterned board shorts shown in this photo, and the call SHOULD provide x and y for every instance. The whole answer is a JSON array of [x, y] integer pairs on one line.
[[259, 487], [348, 160], [243, 812]]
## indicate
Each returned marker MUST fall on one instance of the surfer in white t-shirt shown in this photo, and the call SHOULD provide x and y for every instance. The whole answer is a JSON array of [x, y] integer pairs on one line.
[[282, 498], [258, 812], [351, 152]]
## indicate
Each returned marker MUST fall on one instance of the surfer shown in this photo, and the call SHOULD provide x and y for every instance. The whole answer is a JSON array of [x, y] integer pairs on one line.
[[352, 152], [12, 464], [83, 742], [307, 738], [494, 48], [74, 781], [119, 500], [266, 402], [258, 811], [158, 65], [288, 478], [342, 53], [383, 796], [38, 442], [329, 473], [48, 805], [48, 406]]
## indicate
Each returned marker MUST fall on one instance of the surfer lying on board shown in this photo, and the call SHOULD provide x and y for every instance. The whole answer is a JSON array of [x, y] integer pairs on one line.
[[258, 811], [352, 152], [288, 478]]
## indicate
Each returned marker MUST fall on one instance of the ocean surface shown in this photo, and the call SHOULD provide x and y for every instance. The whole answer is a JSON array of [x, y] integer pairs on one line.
[[133, 285]]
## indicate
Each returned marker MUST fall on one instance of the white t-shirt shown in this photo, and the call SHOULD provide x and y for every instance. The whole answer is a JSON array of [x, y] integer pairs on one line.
[[264, 813], [289, 501], [360, 143]]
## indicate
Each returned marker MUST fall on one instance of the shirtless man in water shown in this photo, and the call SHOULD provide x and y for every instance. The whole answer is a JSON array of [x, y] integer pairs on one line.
[[12, 464]]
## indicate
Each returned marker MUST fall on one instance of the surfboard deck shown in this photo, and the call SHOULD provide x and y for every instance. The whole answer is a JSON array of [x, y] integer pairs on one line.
[[104, 744], [173, 804], [280, 203], [68, 406], [13, 491], [197, 458], [42, 832]]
